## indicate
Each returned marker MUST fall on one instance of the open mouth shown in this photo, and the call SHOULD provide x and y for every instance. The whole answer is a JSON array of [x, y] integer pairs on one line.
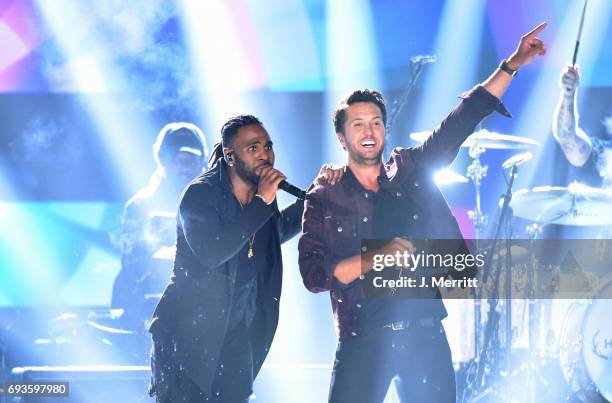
[[368, 143]]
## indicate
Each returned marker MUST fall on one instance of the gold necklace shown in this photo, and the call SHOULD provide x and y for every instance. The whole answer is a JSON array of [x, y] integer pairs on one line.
[[251, 238]]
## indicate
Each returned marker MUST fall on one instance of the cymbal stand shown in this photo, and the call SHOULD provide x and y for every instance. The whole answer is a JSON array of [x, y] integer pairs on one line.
[[508, 263], [533, 231], [488, 357], [476, 172]]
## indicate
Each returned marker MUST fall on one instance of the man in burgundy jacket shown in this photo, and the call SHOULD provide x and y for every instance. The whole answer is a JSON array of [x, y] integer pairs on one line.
[[380, 339]]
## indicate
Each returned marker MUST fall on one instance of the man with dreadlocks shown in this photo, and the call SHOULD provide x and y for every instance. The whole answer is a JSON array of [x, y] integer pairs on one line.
[[214, 325]]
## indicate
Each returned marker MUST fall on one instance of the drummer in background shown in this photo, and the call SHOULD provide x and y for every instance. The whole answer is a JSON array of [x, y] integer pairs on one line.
[[578, 147], [149, 223]]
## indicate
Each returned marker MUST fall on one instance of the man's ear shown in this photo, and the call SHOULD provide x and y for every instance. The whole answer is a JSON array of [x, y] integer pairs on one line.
[[228, 156], [342, 140]]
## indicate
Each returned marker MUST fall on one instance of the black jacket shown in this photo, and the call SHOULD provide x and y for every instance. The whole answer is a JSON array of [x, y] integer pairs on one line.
[[196, 305]]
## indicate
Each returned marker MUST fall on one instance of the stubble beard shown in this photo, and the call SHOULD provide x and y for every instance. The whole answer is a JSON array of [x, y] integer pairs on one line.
[[246, 174], [361, 159]]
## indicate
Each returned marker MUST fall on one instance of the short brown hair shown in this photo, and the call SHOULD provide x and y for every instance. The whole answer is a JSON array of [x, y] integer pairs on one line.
[[359, 95]]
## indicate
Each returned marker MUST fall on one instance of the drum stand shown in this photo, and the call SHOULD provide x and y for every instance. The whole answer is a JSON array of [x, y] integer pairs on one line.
[[533, 318]]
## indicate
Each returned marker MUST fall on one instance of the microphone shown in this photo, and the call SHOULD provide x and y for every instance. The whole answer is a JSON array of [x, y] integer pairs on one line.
[[292, 190], [423, 59], [518, 159]]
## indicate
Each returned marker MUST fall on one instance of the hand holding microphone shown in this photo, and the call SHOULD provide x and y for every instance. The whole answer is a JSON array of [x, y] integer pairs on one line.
[[271, 180], [292, 190], [269, 183]]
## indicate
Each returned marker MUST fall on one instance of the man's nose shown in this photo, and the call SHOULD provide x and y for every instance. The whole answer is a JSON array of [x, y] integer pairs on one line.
[[264, 155]]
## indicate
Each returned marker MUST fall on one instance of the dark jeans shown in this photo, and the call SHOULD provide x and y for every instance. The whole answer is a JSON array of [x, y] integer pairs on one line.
[[366, 364], [233, 382]]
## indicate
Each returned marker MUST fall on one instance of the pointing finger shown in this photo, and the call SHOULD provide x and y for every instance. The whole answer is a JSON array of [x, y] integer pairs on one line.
[[536, 30]]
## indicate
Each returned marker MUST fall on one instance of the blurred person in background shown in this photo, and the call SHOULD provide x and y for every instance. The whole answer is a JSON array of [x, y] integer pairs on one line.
[[149, 224], [580, 149]]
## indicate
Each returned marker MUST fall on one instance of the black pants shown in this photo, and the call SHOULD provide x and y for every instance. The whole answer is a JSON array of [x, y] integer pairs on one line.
[[366, 364], [233, 381]]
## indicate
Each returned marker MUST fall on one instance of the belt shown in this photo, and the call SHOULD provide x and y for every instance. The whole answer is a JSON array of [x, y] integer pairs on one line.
[[413, 323]]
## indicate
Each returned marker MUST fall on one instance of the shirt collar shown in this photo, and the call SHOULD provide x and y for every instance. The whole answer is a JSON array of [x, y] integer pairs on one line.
[[352, 184]]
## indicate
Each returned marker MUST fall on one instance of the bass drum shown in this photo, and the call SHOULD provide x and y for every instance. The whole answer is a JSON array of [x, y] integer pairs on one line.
[[585, 344]]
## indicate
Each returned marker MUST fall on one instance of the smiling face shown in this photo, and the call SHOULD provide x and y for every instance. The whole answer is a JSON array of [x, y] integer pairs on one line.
[[251, 151], [363, 133]]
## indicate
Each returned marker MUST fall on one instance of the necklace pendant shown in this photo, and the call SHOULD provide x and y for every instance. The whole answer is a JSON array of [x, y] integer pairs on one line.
[[250, 252]]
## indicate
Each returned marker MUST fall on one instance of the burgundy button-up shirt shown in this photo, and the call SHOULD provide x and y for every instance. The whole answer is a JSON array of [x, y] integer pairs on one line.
[[338, 217]]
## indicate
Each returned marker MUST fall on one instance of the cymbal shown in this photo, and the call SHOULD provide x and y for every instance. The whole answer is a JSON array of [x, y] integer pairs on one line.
[[448, 177], [576, 204], [162, 214], [420, 137], [487, 140], [108, 329]]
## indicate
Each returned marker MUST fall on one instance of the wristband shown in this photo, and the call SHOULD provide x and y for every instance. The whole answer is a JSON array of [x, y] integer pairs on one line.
[[503, 66]]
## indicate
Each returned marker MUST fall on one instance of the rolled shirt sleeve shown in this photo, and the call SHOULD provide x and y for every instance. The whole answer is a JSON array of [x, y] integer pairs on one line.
[[484, 102]]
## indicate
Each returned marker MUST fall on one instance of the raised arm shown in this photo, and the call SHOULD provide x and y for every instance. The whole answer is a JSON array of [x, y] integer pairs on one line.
[[574, 142], [529, 47], [442, 146]]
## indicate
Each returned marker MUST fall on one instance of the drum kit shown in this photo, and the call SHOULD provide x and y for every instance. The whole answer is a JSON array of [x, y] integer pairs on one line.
[[84, 336], [583, 344], [115, 336]]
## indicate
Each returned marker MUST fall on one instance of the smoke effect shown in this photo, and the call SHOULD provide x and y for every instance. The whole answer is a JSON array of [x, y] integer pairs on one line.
[[604, 161], [36, 142], [138, 41], [46, 140], [605, 168], [161, 76], [608, 124], [38, 147]]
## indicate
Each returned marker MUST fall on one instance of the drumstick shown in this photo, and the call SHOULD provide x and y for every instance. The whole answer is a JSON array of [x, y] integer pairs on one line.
[[579, 34]]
